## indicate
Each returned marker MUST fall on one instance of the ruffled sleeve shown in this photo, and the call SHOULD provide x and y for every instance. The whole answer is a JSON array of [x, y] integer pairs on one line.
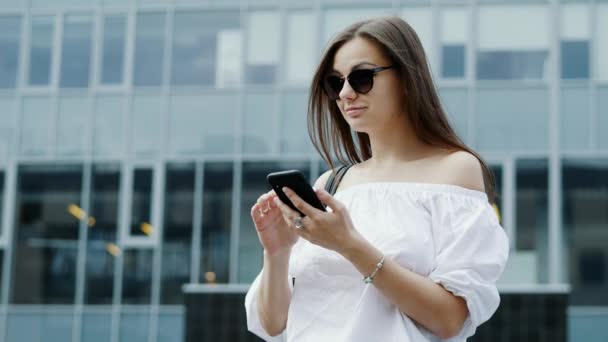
[[471, 252], [253, 319]]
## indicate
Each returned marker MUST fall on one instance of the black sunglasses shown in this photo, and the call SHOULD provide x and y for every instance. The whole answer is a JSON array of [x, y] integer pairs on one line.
[[361, 80]]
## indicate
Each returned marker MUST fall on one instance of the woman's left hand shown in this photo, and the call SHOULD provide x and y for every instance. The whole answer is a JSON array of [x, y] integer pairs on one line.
[[329, 229]]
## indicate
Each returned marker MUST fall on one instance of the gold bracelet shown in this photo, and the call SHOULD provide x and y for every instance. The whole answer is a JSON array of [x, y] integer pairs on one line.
[[370, 278]]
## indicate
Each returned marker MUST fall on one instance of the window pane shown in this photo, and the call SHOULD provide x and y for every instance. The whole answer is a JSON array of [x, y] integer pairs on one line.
[[73, 118], [508, 51], [602, 115], [134, 322], [217, 222], [177, 231], [10, 33], [421, 20], [294, 128], [574, 113], [149, 49], [455, 103], [96, 325], [35, 121], [46, 236], [301, 47], [35, 324], [260, 124], [254, 185], [171, 323], [532, 181], [1, 212], [186, 124], [601, 44], [76, 51], [206, 49], [41, 50], [141, 207], [137, 277], [101, 241], [219, 120], [1, 268], [262, 47], [521, 115], [7, 126], [585, 217], [146, 124], [108, 128], [113, 49], [454, 27]]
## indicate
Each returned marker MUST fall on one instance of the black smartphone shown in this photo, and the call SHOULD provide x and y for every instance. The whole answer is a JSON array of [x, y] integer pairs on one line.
[[296, 181]]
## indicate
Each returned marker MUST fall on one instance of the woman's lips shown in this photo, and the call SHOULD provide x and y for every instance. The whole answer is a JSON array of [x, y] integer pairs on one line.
[[354, 111]]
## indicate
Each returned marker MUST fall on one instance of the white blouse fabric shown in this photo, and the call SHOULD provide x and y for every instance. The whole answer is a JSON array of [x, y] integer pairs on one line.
[[447, 233]]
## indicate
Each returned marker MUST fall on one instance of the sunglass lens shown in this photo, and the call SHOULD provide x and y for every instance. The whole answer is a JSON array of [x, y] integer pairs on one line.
[[333, 86], [361, 80]]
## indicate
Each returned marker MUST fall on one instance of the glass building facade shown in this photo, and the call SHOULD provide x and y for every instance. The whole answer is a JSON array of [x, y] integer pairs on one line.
[[136, 135]]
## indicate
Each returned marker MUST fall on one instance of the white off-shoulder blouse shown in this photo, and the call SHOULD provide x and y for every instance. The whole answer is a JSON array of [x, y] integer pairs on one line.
[[447, 233]]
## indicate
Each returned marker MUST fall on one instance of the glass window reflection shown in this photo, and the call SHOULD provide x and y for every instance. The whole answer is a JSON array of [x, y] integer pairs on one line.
[[454, 30], [73, 117], [149, 48], [217, 222], [532, 184], [262, 47], [585, 217], [46, 238], [112, 63], [508, 51], [259, 128], [206, 49], [601, 41], [107, 128], [520, 114], [294, 132], [575, 41], [141, 205], [177, 231], [34, 126], [76, 51], [101, 241], [41, 50], [10, 33], [301, 47], [137, 276]]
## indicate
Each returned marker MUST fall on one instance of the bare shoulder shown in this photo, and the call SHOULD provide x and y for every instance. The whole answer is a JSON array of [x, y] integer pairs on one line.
[[464, 170], [320, 182]]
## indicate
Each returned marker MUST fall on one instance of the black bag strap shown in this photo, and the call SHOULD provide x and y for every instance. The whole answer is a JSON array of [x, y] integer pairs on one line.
[[334, 179]]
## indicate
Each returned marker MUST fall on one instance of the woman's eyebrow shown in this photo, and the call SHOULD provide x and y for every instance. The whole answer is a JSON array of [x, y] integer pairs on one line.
[[355, 67]]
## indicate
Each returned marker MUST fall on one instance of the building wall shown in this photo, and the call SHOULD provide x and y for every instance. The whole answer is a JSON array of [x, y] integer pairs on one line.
[[136, 135]]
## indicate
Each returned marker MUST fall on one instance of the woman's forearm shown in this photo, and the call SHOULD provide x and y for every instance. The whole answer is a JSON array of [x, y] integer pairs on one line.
[[421, 299], [274, 295]]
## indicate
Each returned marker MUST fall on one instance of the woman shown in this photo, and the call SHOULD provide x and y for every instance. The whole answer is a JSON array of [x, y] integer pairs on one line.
[[410, 248]]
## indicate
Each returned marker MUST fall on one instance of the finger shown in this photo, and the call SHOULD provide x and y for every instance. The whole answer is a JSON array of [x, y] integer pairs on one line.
[[329, 200], [287, 212], [299, 203], [256, 215]]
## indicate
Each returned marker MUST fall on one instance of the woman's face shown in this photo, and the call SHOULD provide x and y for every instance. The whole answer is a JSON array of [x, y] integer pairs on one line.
[[382, 107]]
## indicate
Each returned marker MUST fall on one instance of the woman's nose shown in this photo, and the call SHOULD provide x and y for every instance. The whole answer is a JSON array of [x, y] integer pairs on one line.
[[347, 91]]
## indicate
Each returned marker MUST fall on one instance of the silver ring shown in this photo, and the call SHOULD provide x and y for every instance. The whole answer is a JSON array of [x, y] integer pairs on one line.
[[297, 222]]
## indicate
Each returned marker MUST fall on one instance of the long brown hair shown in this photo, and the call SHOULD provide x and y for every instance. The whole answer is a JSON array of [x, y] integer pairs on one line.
[[401, 45]]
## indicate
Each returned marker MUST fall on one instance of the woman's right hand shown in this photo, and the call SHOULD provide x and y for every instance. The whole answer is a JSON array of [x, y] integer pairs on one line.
[[273, 231]]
